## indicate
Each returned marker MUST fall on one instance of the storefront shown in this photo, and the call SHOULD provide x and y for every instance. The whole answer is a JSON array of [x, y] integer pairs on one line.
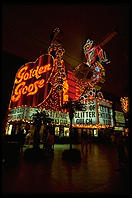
[[96, 119], [22, 118]]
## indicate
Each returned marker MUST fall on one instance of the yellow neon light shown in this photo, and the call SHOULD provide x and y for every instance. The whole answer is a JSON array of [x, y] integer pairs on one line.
[[124, 103], [65, 91], [22, 89], [24, 75]]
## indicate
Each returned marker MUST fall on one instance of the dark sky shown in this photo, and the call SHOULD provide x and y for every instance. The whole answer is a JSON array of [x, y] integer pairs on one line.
[[26, 30]]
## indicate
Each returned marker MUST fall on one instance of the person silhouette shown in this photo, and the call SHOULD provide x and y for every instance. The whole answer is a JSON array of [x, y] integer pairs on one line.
[[84, 141]]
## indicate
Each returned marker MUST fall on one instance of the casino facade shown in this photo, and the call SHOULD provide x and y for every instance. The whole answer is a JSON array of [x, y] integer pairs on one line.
[[46, 85]]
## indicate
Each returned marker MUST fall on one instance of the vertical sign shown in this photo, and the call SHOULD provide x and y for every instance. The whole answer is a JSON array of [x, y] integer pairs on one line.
[[105, 113]]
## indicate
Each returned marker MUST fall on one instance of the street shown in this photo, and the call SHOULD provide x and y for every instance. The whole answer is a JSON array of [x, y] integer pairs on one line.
[[96, 173]]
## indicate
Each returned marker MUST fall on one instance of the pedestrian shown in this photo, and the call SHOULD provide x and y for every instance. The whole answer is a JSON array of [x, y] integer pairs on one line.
[[28, 138], [112, 139], [84, 141], [44, 139], [21, 139], [50, 138], [122, 158]]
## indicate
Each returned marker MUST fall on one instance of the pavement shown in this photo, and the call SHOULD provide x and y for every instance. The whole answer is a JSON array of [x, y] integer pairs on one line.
[[96, 174]]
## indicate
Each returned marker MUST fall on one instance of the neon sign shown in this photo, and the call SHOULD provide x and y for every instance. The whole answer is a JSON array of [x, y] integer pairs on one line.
[[29, 90], [91, 53], [90, 73], [21, 78], [65, 91], [22, 75], [124, 104], [32, 82], [26, 113]]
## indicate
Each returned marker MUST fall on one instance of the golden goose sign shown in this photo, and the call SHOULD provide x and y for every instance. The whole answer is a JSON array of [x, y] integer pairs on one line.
[[31, 85]]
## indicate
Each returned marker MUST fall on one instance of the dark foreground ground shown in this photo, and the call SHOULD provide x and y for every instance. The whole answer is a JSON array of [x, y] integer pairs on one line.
[[96, 174]]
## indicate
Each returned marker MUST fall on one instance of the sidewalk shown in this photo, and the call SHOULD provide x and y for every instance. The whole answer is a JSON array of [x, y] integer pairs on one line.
[[95, 174]]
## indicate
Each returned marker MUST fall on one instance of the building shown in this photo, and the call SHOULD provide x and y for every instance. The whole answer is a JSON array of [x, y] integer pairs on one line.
[[45, 85]]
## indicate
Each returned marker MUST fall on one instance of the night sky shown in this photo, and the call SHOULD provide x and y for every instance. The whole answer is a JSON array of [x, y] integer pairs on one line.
[[26, 34]]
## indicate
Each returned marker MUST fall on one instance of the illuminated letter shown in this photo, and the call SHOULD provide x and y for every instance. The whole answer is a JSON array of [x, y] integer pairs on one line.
[[37, 75], [15, 98], [35, 89], [24, 90], [31, 71], [17, 92], [48, 67], [35, 72], [41, 83], [44, 69], [26, 76], [20, 75], [30, 88], [41, 70]]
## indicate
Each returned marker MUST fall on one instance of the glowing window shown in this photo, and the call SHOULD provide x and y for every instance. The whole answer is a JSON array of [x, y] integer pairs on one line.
[[95, 132]]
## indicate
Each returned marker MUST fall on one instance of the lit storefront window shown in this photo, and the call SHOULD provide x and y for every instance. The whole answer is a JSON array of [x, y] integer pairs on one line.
[[95, 132], [9, 129], [66, 131], [57, 131]]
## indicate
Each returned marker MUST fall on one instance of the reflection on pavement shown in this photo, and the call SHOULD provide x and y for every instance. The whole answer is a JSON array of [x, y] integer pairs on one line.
[[94, 174]]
